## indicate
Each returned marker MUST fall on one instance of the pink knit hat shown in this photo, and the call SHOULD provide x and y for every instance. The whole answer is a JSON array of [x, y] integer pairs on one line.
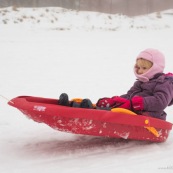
[[158, 60]]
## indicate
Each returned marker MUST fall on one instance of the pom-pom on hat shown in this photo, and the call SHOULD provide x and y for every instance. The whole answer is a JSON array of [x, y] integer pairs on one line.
[[158, 60]]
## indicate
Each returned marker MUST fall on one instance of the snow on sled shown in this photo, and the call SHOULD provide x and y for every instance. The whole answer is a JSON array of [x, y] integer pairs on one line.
[[118, 123]]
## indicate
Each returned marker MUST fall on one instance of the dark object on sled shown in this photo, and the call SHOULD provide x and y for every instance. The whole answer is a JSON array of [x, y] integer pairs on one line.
[[91, 121]]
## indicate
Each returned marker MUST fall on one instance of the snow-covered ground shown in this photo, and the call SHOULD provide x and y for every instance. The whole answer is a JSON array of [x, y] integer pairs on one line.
[[47, 51]]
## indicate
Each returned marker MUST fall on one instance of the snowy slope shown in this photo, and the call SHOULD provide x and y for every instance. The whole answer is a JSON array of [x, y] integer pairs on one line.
[[85, 54]]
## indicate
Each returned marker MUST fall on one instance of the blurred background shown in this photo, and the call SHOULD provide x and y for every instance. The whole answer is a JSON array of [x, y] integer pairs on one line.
[[126, 7]]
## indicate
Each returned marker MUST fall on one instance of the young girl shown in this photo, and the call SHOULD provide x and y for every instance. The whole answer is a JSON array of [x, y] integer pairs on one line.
[[150, 94]]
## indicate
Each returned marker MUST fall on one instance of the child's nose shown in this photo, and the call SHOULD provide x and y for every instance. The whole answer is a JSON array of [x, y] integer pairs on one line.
[[140, 71]]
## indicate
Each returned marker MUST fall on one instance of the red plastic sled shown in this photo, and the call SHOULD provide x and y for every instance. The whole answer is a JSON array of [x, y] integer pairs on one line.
[[91, 121]]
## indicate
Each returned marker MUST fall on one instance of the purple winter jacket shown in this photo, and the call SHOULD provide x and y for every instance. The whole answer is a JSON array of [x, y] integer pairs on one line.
[[157, 94]]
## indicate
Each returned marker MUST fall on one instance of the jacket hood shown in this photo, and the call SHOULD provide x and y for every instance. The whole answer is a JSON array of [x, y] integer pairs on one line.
[[158, 60]]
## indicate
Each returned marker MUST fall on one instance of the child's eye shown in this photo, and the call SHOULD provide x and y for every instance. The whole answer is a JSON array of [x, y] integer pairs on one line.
[[136, 67]]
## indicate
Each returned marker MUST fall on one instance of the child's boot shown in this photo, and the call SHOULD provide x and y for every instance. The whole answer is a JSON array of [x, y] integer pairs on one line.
[[63, 100], [86, 103]]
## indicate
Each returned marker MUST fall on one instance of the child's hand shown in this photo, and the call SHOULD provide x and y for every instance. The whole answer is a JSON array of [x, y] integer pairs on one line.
[[115, 101], [138, 103], [135, 104], [105, 102], [121, 102]]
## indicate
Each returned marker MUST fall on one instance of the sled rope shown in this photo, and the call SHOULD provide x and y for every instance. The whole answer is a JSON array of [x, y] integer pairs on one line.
[[150, 129], [6, 99]]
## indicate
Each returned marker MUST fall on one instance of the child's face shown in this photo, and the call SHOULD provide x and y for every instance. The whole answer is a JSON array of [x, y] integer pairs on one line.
[[142, 67]]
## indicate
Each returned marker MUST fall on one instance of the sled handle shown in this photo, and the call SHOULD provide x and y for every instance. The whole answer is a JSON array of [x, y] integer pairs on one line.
[[126, 111]]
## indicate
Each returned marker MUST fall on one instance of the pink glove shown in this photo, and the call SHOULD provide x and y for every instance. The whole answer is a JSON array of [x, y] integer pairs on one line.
[[138, 103], [119, 100], [122, 102], [115, 101], [105, 102], [135, 104]]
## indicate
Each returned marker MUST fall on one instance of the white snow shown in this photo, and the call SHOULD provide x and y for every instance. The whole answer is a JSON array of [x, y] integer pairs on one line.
[[47, 51]]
